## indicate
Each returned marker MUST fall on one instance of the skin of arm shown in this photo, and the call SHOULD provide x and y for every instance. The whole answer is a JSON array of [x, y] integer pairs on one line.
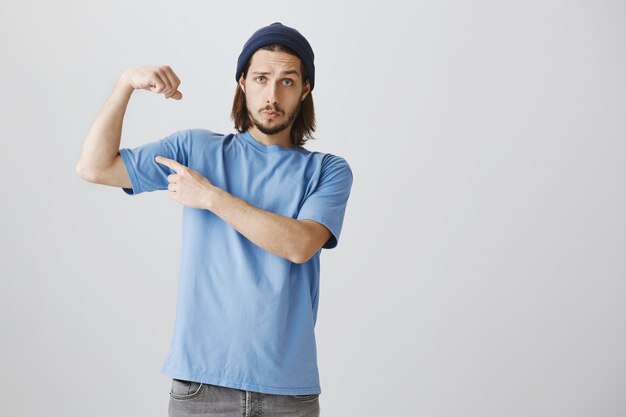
[[100, 161], [103, 141], [292, 239]]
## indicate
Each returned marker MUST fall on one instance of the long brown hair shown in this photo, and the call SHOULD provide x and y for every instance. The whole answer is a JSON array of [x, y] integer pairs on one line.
[[304, 124]]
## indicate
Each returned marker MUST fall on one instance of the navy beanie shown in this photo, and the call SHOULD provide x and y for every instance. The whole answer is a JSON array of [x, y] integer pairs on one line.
[[283, 35]]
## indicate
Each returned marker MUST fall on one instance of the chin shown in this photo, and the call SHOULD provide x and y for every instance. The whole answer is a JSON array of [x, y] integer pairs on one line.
[[270, 130]]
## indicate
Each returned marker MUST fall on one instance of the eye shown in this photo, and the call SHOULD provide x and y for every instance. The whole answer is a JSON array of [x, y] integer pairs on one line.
[[288, 82], [259, 77]]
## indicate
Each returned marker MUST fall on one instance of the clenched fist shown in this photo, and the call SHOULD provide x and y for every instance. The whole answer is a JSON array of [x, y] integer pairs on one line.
[[155, 78]]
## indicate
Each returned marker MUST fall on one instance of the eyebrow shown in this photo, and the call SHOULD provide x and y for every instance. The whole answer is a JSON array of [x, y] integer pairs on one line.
[[289, 72]]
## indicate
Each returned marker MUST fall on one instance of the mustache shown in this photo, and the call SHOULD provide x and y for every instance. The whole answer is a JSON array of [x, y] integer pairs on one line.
[[275, 110]]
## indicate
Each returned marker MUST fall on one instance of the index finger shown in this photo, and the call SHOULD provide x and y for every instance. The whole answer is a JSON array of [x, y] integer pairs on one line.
[[170, 163]]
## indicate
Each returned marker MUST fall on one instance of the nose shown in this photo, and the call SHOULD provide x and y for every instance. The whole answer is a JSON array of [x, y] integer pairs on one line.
[[272, 93]]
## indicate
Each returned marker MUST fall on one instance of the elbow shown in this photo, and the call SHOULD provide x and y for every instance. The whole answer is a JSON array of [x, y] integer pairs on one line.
[[302, 255], [308, 244], [86, 174], [299, 259]]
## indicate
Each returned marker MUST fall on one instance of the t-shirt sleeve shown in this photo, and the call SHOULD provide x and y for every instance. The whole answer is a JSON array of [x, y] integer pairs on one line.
[[145, 173], [327, 203]]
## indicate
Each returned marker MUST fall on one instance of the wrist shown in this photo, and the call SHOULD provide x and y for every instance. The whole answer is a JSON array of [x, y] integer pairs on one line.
[[123, 83], [212, 196]]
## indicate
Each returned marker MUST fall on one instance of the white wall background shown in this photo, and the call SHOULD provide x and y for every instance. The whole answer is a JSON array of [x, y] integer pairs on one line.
[[482, 265]]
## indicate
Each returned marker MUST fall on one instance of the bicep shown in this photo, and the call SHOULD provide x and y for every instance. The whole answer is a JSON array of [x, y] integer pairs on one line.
[[116, 175]]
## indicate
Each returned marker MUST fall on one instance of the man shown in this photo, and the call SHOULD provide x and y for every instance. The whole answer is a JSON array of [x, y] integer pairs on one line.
[[258, 209]]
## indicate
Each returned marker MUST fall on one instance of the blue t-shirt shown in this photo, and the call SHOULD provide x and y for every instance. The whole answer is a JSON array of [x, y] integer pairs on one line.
[[245, 318]]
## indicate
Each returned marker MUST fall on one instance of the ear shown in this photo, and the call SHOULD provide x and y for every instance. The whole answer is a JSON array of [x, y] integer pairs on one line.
[[305, 90], [242, 84]]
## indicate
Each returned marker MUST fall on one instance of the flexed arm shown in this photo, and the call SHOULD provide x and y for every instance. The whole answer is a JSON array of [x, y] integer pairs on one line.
[[99, 161]]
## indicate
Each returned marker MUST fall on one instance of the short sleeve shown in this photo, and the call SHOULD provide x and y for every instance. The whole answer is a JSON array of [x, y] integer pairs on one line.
[[327, 203], [145, 173]]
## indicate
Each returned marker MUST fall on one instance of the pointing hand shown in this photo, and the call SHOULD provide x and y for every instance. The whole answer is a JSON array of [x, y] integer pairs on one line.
[[187, 186]]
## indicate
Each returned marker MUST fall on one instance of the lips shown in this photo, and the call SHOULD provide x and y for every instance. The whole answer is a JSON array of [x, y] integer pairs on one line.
[[271, 113]]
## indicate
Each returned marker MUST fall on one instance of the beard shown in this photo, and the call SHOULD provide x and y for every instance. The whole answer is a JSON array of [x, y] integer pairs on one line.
[[275, 128]]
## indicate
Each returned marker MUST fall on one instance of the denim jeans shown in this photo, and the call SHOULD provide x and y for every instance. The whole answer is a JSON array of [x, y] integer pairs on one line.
[[189, 398]]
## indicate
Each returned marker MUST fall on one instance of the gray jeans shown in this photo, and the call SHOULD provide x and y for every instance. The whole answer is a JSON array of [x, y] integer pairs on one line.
[[189, 398]]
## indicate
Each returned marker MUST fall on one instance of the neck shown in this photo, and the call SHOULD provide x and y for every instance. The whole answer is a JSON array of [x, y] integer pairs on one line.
[[281, 138]]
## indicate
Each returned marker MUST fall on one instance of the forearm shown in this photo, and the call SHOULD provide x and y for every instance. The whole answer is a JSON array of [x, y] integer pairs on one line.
[[103, 141], [280, 235]]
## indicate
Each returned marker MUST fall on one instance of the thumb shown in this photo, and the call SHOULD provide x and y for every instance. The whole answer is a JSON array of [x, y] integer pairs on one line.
[[177, 95]]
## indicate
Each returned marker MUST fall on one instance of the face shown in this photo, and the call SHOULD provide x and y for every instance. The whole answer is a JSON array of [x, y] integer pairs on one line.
[[274, 90]]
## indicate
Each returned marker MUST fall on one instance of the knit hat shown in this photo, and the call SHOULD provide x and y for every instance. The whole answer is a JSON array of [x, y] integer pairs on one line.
[[283, 35]]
